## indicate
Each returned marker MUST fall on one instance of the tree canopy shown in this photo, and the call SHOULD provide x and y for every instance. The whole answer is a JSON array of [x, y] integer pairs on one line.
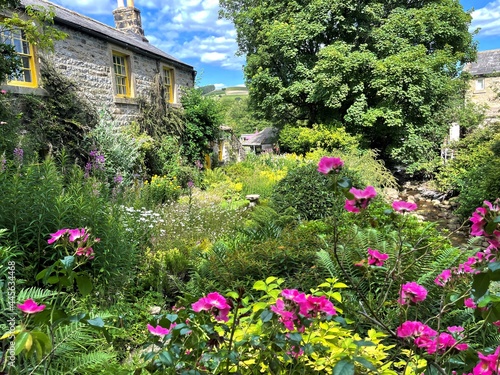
[[385, 69]]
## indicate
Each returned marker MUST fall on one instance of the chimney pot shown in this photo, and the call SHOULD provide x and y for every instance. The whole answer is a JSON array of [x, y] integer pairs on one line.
[[121, 4], [130, 3]]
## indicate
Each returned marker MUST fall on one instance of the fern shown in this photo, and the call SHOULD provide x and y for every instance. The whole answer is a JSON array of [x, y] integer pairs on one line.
[[35, 293]]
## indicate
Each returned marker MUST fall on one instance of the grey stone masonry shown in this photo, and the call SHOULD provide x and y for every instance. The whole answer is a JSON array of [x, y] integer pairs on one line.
[[129, 19], [86, 58]]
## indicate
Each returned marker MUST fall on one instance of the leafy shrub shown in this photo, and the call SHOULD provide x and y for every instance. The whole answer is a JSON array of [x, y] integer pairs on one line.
[[474, 172], [308, 192], [161, 189], [301, 140], [40, 191], [122, 148]]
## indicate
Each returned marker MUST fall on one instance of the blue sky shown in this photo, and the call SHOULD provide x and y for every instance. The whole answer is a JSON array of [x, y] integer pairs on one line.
[[191, 31]]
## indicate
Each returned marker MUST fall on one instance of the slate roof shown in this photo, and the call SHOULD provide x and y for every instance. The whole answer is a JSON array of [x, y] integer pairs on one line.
[[90, 26], [265, 136], [488, 62]]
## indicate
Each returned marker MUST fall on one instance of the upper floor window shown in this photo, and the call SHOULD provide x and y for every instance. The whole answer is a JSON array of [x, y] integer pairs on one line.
[[168, 84], [26, 73], [122, 74], [480, 84]]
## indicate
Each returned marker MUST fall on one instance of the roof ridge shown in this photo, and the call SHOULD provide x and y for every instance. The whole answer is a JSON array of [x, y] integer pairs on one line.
[[79, 15]]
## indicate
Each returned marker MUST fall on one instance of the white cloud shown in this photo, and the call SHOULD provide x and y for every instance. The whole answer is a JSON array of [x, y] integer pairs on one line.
[[487, 19], [218, 86], [209, 57], [184, 29]]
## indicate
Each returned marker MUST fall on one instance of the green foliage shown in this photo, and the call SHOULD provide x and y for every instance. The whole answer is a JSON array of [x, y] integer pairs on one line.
[[254, 340], [206, 89], [160, 190], [157, 117], [473, 173], [372, 67], [59, 120], [239, 115], [202, 117], [122, 148], [59, 201], [308, 192], [301, 140]]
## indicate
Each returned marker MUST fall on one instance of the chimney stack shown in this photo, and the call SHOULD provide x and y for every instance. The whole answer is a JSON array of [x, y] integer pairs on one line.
[[128, 18]]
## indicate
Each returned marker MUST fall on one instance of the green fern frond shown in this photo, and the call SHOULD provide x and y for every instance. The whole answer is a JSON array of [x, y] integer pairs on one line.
[[34, 293]]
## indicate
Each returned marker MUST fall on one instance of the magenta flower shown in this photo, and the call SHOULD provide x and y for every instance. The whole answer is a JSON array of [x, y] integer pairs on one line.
[[469, 302], [159, 330], [412, 292], [30, 307], [455, 329], [320, 305], [361, 199], [375, 258], [330, 164], [414, 329], [402, 206], [215, 304], [488, 364], [478, 221], [76, 234], [57, 235], [294, 295], [443, 278], [287, 318]]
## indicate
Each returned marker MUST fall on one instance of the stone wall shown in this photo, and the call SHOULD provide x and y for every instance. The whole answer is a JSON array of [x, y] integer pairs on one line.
[[87, 60], [488, 95]]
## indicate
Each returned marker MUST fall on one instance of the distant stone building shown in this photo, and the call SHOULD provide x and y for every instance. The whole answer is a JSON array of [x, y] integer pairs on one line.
[[265, 140], [112, 67], [485, 85]]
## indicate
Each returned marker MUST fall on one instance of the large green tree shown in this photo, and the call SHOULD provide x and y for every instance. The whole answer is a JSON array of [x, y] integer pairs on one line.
[[385, 69]]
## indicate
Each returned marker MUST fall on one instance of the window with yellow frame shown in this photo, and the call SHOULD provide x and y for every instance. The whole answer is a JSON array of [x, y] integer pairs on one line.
[[122, 75], [168, 84], [26, 73]]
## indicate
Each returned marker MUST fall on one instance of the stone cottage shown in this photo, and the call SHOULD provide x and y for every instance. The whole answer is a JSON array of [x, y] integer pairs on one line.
[[485, 83], [111, 66]]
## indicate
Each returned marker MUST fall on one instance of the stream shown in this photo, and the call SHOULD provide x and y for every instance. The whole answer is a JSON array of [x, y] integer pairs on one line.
[[434, 208]]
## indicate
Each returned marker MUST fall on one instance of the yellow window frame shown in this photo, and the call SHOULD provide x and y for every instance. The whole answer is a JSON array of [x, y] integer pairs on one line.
[[121, 75], [27, 58], [168, 84]]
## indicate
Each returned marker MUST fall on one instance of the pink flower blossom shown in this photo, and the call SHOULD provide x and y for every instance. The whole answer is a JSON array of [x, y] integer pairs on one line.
[[443, 278], [469, 302], [478, 221], [159, 330], [361, 199], [294, 295], [414, 329], [30, 307], [287, 318], [375, 258], [488, 364], [412, 292], [330, 164], [57, 235], [402, 206], [320, 305], [215, 304], [76, 234], [455, 329]]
